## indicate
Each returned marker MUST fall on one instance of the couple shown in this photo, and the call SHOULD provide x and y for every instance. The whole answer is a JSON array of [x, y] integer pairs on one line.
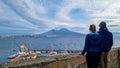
[[97, 44]]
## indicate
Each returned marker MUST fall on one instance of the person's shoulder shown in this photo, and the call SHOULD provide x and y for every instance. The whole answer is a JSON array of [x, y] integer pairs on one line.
[[92, 34], [98, 31], [98, 34], [88, 35], [110, 33]]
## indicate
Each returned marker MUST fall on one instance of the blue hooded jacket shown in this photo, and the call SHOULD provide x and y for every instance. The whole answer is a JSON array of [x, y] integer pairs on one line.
[[92, 43], [107, 39]]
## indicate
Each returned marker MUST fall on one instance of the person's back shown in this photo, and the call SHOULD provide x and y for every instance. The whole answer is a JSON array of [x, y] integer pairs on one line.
[[93, 48], [107, 42], [93, 43], [107, 39]]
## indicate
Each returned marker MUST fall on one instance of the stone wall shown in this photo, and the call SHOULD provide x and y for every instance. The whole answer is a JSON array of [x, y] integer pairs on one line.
[[80, 62], [70, 61], [114, 58]]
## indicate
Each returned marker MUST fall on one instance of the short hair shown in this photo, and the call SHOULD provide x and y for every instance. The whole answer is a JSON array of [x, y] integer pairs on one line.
[[92, 28]]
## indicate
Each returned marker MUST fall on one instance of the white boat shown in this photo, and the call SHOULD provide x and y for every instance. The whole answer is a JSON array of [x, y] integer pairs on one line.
[[64, 52], [12, 56], [22, 52], [53, 53]]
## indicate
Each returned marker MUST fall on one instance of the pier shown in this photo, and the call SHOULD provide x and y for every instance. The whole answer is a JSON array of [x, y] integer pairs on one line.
[[57, 51]]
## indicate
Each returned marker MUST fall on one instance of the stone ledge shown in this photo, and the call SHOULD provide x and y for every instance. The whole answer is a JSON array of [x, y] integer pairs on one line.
[[39, 62], [68, 61]]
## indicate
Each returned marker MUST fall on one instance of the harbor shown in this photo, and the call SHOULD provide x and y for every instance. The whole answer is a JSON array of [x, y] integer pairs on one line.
[[61, 45], [69, 61], [24, 53]]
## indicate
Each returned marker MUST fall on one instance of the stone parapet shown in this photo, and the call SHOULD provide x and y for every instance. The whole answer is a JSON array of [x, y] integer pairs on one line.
[[68, 61]]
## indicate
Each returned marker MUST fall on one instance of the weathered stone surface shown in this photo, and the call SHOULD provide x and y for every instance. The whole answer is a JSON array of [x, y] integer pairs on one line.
[[80, 62], [113, 60], [69, 61]]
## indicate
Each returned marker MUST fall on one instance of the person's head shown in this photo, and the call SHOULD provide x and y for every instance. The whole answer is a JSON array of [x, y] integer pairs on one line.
[[102, 24], [92, 28]]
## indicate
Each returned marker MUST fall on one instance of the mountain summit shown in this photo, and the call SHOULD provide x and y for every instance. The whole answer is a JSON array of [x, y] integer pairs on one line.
[[62, 32]]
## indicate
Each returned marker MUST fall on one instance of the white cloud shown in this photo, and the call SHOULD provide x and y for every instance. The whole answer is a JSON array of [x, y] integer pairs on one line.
[[1, 7], [111, 10], [14, 23], [67, 6], [79, 27], [33, 13], [26, 9]]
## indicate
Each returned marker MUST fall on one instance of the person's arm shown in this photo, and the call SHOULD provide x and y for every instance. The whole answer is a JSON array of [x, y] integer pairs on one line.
[[86, 45], [111, 41]]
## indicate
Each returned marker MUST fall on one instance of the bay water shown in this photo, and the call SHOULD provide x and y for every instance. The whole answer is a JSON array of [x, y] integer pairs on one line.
[[9, 46]]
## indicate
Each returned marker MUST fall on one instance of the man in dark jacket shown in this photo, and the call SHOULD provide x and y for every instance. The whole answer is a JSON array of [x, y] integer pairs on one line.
[[107, 42]]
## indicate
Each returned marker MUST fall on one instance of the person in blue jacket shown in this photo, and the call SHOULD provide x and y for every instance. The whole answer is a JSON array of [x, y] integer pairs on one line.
[[107, 42], [92, 47]]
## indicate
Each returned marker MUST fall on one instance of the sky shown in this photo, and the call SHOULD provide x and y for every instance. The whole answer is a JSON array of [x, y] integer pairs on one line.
[[18, 17]]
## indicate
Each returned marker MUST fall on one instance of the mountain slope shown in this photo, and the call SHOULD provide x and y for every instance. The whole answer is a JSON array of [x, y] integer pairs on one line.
[[63, 32]]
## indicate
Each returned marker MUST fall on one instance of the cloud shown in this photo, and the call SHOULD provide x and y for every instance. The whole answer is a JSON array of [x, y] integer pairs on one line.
[[111, 10], [13, 23], [78, 27], [67, 6], [113, 25], [40, 15], [26, 10]]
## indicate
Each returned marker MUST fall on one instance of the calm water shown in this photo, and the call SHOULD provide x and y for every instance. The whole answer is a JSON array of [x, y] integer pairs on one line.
[[7, 45]]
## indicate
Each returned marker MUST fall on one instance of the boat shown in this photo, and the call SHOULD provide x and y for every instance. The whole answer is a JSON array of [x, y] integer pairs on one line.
[[12, 56], [23, 53], [64, 52], [53, 53], [42, 54], [17, 58]]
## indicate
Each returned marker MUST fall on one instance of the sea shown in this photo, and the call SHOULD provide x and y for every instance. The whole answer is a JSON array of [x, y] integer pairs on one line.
[[9, 46]]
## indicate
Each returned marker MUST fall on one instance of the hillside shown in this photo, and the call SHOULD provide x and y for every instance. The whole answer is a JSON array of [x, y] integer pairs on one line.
[[61, 32]]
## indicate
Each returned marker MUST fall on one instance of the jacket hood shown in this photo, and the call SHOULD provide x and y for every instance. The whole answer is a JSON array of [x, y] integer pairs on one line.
[[102, 24], [103, 31], [94, 36]]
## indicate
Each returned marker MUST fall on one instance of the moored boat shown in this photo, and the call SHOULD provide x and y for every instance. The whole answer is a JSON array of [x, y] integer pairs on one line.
[[12, 56], [22, 54]]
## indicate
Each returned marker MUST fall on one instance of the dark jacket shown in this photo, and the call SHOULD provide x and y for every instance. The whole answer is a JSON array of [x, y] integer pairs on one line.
[[107, 39], [92, 43]]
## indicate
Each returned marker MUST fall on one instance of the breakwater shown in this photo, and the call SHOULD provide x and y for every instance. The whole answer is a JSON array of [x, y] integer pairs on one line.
[[67, 61]]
